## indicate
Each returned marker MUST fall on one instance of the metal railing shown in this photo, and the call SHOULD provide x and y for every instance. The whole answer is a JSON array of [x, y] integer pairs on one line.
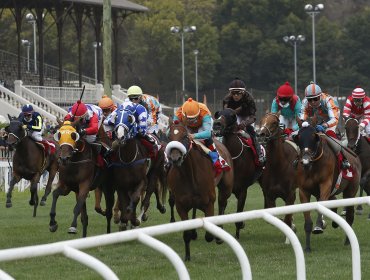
[[71, 249]]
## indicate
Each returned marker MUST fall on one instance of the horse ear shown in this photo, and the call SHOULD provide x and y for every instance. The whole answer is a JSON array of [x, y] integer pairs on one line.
[[10, 117], [75, 136], [57, 136], [217, 115], [131, 119]]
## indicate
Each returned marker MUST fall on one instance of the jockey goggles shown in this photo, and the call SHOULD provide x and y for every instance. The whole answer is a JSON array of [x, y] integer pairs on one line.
[[192, 120], [313, 99], [358, 100], [236, 91], [134, 98], [284, 99]]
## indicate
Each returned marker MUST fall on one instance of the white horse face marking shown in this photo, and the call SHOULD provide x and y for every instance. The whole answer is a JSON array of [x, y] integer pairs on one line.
[[120, 132], [176, 131]]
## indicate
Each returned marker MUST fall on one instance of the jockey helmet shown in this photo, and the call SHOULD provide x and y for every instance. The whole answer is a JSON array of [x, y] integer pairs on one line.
[[237, 84], [358, 93], [312, 91], [134, 91], [79, 109], [191, 108], [27, 109], [106, 103], [285, 90]]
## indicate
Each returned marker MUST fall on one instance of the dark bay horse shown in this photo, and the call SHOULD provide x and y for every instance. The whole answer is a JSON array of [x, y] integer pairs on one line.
[[135, 174], [78, 172], [245, 170], [191, 179], [320, 176], [279, 178], [359, 144], [30, 160]]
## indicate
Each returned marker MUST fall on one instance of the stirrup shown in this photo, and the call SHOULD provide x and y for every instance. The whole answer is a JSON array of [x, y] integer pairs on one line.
[[345, 164]]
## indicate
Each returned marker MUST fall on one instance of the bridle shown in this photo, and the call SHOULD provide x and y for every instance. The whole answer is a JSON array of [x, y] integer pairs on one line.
[[358, 134], [271, 134]]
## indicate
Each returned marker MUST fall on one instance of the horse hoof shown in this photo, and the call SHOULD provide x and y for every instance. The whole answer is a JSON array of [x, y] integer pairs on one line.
[[72, 230], [162, 209], [209, 237], [317, 230], [53, 228], [8, 204], [307, 250], [334, 225], [343, 213], [144, 218], [172, 220], [294, 228], [187, 258], [194, 235], [116, 219], [31, 202], [359, 211], [100, 211], [136, 223], [219, 241], [42, 202], [122, 227]]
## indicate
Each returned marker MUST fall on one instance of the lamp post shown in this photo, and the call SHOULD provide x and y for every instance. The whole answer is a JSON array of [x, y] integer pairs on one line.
[[293, 40], [182, 31], [31, 19], [27, 44], [313, 11], [96, 45], [196, 73]]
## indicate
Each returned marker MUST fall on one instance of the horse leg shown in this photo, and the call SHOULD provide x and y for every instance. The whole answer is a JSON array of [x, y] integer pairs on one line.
[[242, 196], [53, 225], [98, 195], [135, 198], [359, 209], [209, 212], [116, 211], [15, 179], [124, 201], [109, 201], [80, 201], [305, 198], [52, 172], [288, 219], [34, 201], [84, 219], [171, 202], [146, 201], [187, 234]]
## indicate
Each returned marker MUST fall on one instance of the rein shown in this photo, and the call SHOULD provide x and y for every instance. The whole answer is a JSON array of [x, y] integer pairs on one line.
[[242, 149]]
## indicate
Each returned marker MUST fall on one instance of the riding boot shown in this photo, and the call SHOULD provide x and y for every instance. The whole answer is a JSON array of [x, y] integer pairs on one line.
[[217, 159], [261, 156], [337, 148]]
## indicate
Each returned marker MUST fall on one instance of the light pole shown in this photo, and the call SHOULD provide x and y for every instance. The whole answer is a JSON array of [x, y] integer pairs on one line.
[[31, 19], [196, 73], [313, 11], [27, 44], [293, 40], [181, 31], [96, 45]]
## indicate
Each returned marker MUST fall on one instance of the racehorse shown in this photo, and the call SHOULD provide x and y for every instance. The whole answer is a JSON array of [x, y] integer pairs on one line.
[[321, 174], [130, 166], [245, 170], [191, 179], [361, 146], [279, 178], [30, 160], [78, 172]]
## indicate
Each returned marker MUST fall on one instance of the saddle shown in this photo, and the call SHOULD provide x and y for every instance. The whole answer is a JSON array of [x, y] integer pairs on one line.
[[48, 147], [248, 141]]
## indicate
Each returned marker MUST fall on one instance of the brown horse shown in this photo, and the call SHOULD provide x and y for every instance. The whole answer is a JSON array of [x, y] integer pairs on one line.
[[30, 160], [359, 144], [191, 179], [321, 169], [78, 172], [279, 178], [245, 170]]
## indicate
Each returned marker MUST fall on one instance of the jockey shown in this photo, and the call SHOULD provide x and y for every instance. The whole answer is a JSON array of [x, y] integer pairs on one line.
[[289, 104], [92, 118], [325, 109], [198, 120], [140, 114], [241, 101], [107, 105], [358, 106], [33, 121]]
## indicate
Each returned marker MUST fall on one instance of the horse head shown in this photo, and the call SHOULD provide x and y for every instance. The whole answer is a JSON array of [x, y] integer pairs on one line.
[[269, 128], [179, 144], [14, 132], [125, 126], [225, 122], [67, 137], [308, 141], [351, 127]]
